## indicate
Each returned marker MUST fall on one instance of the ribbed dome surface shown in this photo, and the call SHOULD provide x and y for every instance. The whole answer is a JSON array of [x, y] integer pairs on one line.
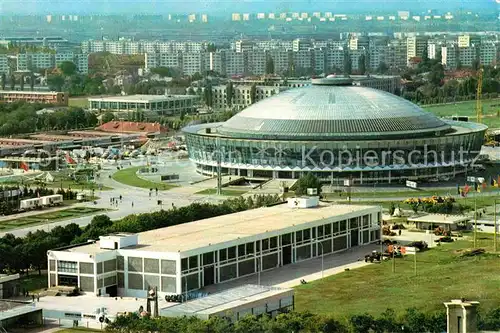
[[332, 112]]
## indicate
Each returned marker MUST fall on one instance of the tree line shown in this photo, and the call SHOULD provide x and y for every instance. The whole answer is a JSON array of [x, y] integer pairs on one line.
[[411, 321], [22, 117], [18, 254]]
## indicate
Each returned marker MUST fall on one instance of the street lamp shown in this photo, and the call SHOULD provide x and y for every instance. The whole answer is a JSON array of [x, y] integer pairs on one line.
[[322, 253]]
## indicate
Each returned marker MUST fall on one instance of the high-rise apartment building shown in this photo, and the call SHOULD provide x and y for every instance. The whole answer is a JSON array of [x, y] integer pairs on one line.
[[415, 46]]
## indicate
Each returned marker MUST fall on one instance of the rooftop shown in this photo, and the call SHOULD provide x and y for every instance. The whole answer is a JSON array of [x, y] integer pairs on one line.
[[225, 300], [333, 111], [141, 98], [230, 227], [10, 309], [440, 218]]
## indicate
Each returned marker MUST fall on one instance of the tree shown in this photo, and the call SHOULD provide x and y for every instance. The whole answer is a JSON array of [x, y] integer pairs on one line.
[[3, 81], [229, 94], [382, 68], [253, 93], [208, 95], [107, 117], [12, 82], [307, 181], [362, 64], [162, 71], [55, 82], [211, 47], [347, 64], [21, 82], [269, 65], [32, 82], [68, 68], [436, 75]]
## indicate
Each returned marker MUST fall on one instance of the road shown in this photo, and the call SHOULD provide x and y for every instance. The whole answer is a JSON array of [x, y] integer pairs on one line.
[[142, 203]]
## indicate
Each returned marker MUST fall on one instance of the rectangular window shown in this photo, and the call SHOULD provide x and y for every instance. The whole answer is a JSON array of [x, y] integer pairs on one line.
[[120, 280], [335, 227], [343, 226], [274, 242], [86, 268], [298, 236], [231, 253], [223, 255], [151, 265], [353, 223], [120, 263], [227, 272], [168, 284], [286, 239], [193, 262], [265, 244], [320, 231], [135, 281], [208, 258], [249, 248], [328, 229], [241, 250], [168, 267], [184, 264], [307, 234], [67, 266], [135, 265]]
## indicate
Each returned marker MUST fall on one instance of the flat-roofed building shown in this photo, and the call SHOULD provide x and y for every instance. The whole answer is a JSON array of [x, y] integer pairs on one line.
[[45, 97], [236, 303], [194, 255], [160, 104]]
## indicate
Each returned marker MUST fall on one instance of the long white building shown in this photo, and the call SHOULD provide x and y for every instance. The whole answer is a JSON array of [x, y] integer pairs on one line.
[[193, 255]]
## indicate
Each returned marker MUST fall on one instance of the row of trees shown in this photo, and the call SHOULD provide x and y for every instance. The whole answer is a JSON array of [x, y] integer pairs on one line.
[[411, 321], [21, 254], [22, 117], [13, 80]]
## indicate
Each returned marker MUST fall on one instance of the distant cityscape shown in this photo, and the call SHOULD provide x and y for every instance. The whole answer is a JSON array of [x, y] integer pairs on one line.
[[361, 52]]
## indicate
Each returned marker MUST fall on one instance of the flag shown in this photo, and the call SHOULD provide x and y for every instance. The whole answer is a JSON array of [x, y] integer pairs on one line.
[[24, 166], [466, 188], [69, 160]]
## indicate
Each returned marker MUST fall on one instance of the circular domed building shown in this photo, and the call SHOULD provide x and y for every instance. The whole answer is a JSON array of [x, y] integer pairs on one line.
[[336, 131]]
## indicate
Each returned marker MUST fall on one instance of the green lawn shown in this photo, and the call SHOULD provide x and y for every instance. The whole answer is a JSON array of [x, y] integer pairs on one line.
[[212, 191], [34, 282], [442, 275], [44, 218], [81, 102], [77, 330], [129, 177], [468, 108]]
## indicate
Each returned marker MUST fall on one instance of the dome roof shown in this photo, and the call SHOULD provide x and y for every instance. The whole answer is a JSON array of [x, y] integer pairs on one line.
[[332, 112]]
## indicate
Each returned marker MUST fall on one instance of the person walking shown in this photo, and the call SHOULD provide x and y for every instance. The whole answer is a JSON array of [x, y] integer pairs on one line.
[[132, 204]]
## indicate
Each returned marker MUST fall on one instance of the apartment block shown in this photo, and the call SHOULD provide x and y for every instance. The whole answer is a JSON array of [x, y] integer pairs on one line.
[[488, 53], [4, 64], [282, 60], [256, 62], [193, 63], [415, 46], [302, 59], [334, 59], [467, 55]]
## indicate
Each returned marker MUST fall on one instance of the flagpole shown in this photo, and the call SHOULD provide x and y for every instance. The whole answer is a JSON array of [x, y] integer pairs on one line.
[[415, 262], [475, 221], [495, 225]]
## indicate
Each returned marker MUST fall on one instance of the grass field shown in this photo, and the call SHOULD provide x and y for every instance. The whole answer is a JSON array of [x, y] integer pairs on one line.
[[468, 108], [77, 330], [212, 191], [80, 102], [442, 275], [34, 282], [44, 218], [129, 177]]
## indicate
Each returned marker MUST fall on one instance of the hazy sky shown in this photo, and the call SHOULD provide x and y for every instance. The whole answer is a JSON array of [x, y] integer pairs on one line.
[[221, 6]]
